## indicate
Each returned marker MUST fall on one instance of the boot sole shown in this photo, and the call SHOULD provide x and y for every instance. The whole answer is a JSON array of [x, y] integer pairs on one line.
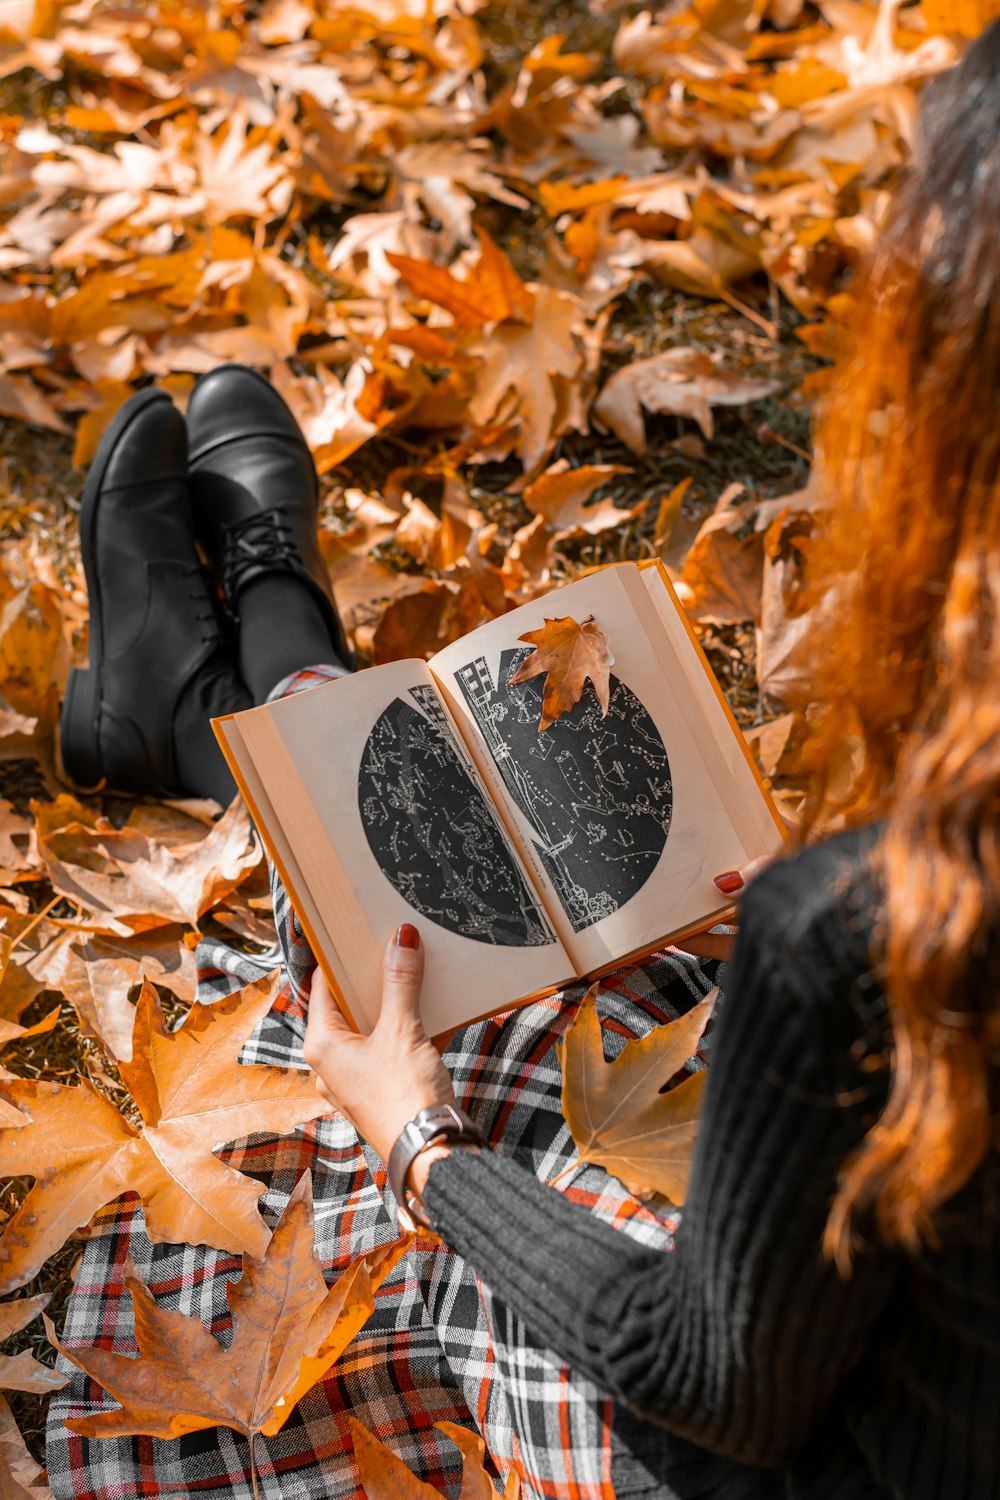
[[80, 720]]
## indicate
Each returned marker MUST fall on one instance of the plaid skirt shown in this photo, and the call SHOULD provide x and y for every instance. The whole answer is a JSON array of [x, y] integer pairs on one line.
[[438, 1347]]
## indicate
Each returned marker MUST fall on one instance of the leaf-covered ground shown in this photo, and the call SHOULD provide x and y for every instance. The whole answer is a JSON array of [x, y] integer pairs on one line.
[[548, 285]]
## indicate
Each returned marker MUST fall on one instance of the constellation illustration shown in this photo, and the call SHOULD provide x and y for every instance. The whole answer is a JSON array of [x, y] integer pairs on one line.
[[595, 790], [436, 836]]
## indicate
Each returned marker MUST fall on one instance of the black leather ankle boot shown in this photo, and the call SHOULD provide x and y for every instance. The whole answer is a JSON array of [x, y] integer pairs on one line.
[[255, 488], [155, 618]]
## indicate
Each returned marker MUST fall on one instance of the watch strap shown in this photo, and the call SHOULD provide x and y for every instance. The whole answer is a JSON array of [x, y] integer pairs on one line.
[[441, 1122]]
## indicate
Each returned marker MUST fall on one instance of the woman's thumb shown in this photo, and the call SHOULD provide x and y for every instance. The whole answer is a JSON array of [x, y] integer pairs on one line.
[[324, 1022], [402, 974]]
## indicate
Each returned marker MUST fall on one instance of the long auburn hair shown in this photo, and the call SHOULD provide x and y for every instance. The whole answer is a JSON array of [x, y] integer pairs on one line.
[[908, 445]]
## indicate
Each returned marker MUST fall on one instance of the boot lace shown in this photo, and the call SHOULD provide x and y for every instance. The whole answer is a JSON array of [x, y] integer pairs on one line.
[[263, 540], [209, 616]]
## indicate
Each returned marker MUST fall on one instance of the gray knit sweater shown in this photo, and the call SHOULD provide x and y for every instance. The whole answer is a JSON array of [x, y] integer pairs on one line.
[[744, 1367]]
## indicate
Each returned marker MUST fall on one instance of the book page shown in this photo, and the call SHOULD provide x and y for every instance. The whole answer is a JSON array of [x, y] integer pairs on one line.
[[729, 758], [376, 815], [625, 818]]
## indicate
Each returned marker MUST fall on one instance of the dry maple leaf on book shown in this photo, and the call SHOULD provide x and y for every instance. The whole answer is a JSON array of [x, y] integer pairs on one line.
[[423, 792], [192, 1095], [568, 655]]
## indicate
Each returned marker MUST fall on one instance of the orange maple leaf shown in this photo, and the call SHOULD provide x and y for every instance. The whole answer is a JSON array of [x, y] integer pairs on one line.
[[492, 291], [568, 653], [288, 1329], [618, 1117], [192, 1095]]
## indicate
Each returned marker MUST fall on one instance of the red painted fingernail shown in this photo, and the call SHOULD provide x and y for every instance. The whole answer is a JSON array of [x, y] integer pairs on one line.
[[407, 936], [729, 882]]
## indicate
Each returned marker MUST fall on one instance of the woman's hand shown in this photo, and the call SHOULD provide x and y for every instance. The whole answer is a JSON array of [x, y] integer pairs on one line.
[[379, 1081], [731, 883]]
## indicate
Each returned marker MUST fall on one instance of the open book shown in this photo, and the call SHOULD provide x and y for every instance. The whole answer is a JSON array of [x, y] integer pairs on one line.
[[424, 792]]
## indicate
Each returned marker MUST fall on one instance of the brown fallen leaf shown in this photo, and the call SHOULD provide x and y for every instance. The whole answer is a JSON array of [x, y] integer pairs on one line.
[[19, 733], [176, 823], [427, 618], [109, 397], [18, 986], [616, 1112], [794, 612], [786, 640], [10, 1118], [333, 415], [16, 857], [34, 663], [529, 344], [21, 1478], [490, 580], [683, 381], [492, 291], [966, 17], [667, 539], [23, 1372], [288, 1328], [192, 1095], [531, 371], [700, 265], [247, 919], [724, 568], [386, 1477], [11, 1032], [776, 743], [568, 653], [21, 398], [33, 654], [129, 881], [560, 497], [363, 587], [526, 566], [95, 973], [437, 541]]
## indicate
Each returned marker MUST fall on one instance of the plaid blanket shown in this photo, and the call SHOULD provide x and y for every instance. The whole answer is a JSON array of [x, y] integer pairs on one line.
[[438, 1347]]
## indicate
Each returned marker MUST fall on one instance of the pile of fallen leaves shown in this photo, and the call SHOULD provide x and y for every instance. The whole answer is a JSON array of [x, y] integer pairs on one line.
[[319, 188], [523, 287]]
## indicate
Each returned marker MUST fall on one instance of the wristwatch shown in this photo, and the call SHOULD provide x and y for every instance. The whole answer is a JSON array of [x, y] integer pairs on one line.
[[442, 1122]]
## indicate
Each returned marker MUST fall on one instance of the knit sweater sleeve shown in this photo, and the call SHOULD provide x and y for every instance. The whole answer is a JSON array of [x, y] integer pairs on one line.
[[738, 1339]]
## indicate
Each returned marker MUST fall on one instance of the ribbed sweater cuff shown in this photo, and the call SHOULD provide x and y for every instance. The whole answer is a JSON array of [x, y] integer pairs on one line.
[[543, 1256]]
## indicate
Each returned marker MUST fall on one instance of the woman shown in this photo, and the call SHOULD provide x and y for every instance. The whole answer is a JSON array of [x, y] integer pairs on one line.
[[831, 1310], [827, 1326]]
